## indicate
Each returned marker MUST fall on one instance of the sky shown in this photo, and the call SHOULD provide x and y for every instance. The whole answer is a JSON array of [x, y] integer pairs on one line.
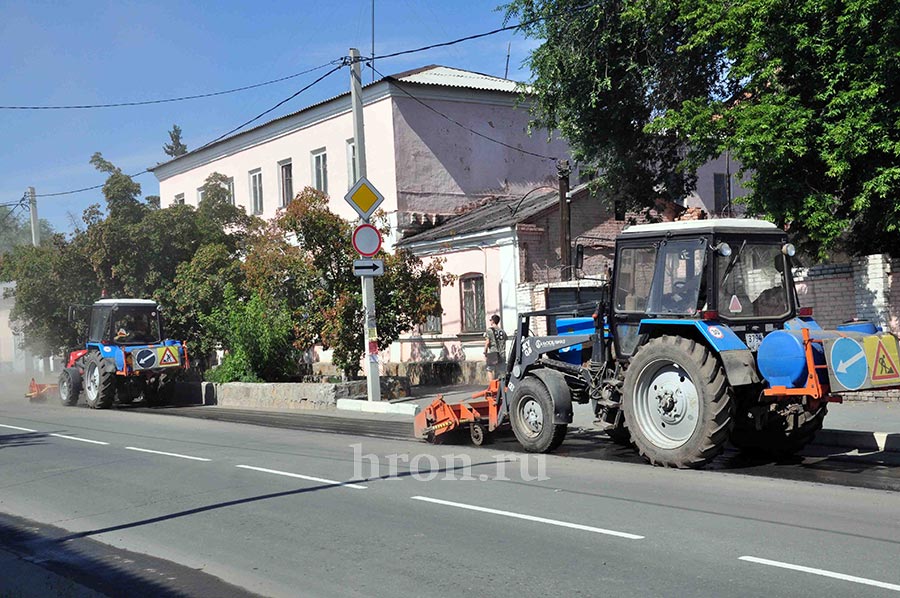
[[91, 51]]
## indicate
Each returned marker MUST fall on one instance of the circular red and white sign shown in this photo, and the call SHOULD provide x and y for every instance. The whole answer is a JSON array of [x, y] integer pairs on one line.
[[716, 332], [366, 240]]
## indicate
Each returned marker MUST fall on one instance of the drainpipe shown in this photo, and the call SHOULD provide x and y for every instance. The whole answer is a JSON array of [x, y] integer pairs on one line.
[[565, 233]]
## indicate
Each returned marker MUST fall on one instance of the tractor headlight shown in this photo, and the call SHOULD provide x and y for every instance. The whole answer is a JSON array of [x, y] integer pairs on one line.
[[788, 249], [723, 249]]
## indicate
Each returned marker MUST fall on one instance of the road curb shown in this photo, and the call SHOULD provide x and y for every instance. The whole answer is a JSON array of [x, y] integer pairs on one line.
[[377, 407], [862, 441]]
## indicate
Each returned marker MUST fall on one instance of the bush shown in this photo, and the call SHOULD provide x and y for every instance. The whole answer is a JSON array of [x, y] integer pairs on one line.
[[258, 336]]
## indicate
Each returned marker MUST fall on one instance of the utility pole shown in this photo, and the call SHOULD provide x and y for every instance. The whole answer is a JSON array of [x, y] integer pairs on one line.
[[506, 70], [35, 225], [565, 233], [373, 382], [372, 64]]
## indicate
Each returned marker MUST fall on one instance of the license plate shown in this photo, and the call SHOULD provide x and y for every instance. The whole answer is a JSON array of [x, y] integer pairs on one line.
[[753, 340]]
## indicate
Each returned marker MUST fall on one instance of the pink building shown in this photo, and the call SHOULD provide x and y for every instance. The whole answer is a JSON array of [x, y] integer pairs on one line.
[[421, 151]]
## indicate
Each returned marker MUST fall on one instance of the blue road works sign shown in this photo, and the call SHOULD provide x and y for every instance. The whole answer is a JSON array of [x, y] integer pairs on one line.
[[848, 363]]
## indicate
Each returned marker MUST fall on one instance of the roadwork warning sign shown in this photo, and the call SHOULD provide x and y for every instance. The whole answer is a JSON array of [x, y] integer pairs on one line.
[[882, 356]]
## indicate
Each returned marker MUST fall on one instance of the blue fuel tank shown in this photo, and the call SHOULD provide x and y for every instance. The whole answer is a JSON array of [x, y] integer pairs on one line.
[[566, 326], [781, 358]]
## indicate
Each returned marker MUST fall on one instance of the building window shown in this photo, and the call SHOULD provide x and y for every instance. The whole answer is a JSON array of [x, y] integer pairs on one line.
[[201, 193], [230, 186], [320, 170], [286, 175], [433, 325], [179, 199], [352, 166], [720, 192], [472, 288], [256, 191]]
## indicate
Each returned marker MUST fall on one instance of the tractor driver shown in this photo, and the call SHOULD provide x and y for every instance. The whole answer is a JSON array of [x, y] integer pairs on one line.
[[133, 329]]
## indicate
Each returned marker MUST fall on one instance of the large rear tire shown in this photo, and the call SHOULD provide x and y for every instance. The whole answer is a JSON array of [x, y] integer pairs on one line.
[[677, 403], [99, 382], [781, 435], [69, 386], [531, 417]]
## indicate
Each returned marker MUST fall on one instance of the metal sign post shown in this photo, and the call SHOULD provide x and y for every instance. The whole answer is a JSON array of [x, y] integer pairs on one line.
[[365, 200]]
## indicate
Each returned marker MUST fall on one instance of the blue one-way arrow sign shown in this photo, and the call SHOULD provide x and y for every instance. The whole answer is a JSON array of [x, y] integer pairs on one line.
[[368, 267]]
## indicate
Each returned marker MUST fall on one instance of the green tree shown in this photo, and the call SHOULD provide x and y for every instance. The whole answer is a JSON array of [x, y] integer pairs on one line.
[[804, 94], [15, 228], [329, 311], [176, 146]]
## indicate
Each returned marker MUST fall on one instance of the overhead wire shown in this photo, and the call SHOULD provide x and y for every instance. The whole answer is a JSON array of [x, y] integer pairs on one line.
[[168, 100], [219, 138], [339, 63], [467, 128]]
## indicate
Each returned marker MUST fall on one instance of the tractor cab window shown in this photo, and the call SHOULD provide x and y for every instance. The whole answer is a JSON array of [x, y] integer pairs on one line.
[[99, 324], [135, 325], [679, 287], [634, 277], [752, 281]]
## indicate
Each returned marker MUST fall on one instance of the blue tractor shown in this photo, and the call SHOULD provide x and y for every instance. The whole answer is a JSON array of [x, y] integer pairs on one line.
[[126, 357], [701, 341]]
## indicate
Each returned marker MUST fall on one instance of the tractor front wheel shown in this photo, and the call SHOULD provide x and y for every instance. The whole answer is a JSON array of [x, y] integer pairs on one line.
[[99, 382], [531, 417], [677, 403]]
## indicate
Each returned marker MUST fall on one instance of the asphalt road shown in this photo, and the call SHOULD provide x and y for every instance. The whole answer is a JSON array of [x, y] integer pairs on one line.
[[280, 511]]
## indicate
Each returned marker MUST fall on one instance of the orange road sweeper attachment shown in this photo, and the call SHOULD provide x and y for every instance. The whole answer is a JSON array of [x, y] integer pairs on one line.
[[38, 393], [481, 413]]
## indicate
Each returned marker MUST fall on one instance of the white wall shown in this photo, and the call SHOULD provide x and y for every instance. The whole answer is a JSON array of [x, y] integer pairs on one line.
[[331, 133]]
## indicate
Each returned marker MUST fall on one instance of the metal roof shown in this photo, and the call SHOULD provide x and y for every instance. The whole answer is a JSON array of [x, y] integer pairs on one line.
[[495, 214], [712, 225], [433, 74], [450, 77], [125, 302]]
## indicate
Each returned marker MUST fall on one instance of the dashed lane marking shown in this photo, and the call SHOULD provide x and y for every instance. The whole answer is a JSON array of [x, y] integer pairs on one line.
[[578, 526], [823, 573], [17, 428], [303, 477], [180, 456], [88, 440]]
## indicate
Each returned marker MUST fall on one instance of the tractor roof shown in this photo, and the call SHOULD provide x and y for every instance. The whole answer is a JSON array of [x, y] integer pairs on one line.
[[126, 302], [731, 225]]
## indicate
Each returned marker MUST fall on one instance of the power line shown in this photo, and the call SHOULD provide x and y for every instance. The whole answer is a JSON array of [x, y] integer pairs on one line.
[[469, 129], [477, 35], [255, 118], [168, 100], [284, 101]]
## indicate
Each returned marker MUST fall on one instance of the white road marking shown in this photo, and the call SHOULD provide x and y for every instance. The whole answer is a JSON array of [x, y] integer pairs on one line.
[[17, 428], [304, 477], [822, 572], [578, 526], [143, 450], [79, 439]]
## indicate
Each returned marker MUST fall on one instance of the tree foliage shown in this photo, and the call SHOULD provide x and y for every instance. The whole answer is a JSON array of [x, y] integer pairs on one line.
[[176, 146], [803, 94], [180, 256]]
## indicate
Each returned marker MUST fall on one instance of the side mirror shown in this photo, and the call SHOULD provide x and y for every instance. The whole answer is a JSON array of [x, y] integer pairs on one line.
[[579, 256]]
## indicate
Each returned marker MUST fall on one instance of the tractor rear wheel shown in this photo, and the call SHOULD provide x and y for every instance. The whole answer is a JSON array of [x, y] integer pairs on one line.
[[69, 386], [677, 403], [781, 435], [99, 382], [531, 417]]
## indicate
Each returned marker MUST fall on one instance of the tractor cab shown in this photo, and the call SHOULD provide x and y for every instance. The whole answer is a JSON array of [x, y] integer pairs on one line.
[[125, 322], [735, 271]]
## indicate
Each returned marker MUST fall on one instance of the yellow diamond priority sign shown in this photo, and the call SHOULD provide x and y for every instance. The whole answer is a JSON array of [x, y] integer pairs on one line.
[[364, 198]]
